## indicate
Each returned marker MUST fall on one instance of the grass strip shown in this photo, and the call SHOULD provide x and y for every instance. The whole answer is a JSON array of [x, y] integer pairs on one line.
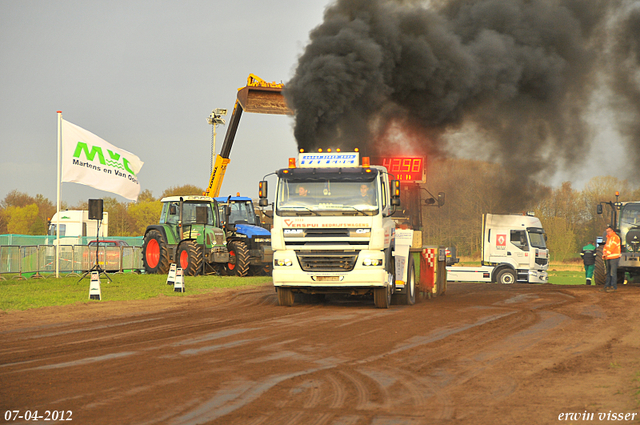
[[34, 293]]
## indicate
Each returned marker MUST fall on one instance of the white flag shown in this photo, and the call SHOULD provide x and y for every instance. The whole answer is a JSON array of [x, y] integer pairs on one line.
[[87, 159]]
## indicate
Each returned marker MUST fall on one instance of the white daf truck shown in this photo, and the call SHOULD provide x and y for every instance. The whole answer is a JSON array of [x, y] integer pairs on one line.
[[332, 231], [514, 249], [76, 225]]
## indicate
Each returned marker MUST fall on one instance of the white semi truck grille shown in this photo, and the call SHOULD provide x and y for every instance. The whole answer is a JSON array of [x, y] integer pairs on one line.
[[327, 261]]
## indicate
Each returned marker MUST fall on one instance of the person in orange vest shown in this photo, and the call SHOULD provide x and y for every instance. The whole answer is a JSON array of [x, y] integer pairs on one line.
[[611, 257]]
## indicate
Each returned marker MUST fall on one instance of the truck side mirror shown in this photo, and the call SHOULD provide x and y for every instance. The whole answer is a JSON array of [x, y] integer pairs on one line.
[[262, 194], [440, 199], [173, 209], [395, 193], [599, 209]]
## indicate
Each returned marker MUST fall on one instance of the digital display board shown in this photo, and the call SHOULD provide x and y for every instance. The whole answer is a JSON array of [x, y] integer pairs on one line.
[[407, 169]]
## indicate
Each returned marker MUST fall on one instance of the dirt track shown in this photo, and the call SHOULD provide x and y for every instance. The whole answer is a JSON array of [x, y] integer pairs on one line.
[[482, 354]]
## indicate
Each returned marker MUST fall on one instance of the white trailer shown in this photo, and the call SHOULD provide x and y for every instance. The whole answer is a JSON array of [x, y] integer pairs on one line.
[[513, 250]]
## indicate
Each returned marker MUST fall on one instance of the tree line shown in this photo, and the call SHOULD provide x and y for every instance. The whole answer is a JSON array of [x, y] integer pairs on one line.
[[22, 214], [472, 188]]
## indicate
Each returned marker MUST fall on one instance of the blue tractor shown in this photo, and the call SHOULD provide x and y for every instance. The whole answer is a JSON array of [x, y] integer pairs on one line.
[[249, 243]]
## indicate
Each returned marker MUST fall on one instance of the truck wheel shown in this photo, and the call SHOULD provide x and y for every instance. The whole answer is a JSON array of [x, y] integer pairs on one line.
[[382, 297], [506, 277], [189, 258], [239, 250], [599, 273], [444, 282], [285, 297], [408, 297], [155, 255]]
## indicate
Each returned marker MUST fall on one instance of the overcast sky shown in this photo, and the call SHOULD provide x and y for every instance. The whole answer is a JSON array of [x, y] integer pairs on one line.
[[145, 75]]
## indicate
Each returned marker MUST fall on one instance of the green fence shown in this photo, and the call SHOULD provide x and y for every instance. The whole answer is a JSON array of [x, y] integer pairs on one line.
[[40, 260], [30, 240]]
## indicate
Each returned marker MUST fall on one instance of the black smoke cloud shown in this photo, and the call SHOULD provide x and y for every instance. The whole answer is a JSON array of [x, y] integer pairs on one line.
[[523, 72]]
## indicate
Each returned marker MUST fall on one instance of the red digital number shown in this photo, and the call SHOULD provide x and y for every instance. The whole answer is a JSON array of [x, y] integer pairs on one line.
[[405, 169], [417, 165]]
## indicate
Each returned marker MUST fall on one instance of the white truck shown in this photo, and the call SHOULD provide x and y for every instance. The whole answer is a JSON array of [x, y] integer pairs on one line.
[[332, 231], [513, 250], [76, 225]]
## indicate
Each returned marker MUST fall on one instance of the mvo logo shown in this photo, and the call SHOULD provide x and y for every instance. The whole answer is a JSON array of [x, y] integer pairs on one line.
[[114, 160]]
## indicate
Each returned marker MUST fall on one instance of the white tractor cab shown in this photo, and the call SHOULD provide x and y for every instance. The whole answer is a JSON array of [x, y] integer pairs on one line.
[[332, 231], [513, 250]]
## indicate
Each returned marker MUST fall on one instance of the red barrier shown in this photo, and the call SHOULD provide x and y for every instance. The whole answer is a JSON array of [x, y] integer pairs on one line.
[[428, 262]]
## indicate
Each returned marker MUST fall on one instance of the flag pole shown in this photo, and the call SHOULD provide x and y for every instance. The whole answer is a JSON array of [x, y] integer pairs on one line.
[[58, 197]]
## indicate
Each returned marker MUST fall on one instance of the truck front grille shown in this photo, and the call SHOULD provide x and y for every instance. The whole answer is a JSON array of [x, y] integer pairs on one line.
[[541, 261], [327, 261], [327, 233]]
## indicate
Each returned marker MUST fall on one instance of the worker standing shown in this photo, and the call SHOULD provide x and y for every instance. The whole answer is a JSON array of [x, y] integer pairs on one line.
[[611, 257], [588, 255]]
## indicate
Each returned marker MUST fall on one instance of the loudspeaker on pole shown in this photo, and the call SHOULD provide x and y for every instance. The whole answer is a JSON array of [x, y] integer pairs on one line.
[[95, 209], [171, 277], [94, 286]]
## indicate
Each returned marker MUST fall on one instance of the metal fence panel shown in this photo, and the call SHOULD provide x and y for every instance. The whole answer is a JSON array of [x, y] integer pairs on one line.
[[9, 259], [73, 259], [31, 240]]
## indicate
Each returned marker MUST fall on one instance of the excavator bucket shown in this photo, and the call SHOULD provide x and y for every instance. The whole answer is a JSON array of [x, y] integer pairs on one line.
[[259, 97], [262, 97], [263, 100]]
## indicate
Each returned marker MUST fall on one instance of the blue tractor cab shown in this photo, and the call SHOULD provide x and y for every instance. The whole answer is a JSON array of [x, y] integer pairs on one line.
[[249, 243]]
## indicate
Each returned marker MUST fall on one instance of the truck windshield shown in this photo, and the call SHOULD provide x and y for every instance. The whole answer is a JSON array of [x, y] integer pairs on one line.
[[629, 217], [537, 238], [327, 197], [52, 230]]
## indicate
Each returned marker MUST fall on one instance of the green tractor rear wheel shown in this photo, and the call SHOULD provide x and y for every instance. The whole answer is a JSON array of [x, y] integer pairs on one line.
[[155, 255]]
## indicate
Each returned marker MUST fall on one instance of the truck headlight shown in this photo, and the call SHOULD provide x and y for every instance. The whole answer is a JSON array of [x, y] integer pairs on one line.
[[283, 262], [372, 262], [262, 240]]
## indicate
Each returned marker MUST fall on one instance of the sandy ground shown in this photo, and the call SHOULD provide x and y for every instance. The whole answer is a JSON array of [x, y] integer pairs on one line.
[[481, 354]]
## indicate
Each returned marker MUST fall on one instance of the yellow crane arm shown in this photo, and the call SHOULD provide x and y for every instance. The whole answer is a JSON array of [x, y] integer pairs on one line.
[[257, 96]]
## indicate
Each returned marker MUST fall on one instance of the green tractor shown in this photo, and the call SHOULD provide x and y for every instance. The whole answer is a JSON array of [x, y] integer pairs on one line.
[[187, 234]]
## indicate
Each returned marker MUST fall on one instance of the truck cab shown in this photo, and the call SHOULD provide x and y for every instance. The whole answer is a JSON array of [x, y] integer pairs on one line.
[[513, 250], [332, 231], [75, 226]]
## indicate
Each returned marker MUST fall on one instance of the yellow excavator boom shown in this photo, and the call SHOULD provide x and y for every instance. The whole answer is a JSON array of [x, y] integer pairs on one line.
[[257, 96]]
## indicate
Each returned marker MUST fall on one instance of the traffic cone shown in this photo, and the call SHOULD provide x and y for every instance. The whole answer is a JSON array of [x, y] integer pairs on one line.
[[94, 287], [178, 286], [171, 277]]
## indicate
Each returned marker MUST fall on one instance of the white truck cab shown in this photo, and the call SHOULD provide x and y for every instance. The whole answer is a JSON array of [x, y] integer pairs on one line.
[[513, 250], [332, 231], [76, 225]]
